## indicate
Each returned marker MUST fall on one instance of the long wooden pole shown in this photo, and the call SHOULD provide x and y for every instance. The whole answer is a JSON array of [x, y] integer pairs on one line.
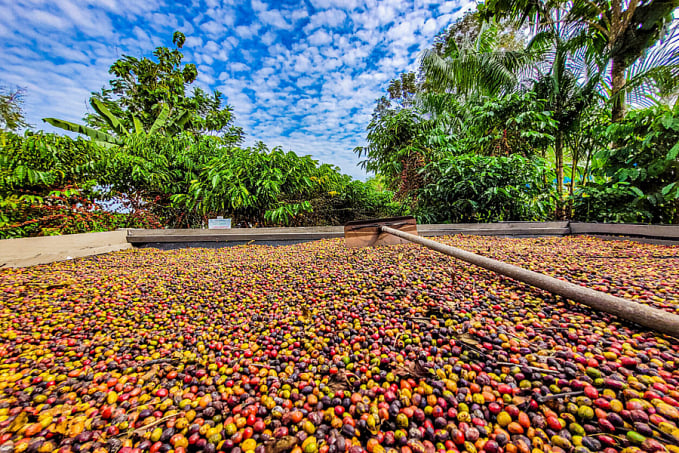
[[645, 315]]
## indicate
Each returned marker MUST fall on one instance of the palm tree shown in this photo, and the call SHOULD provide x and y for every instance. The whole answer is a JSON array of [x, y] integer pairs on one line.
[[654, 76], [625, 30], [474, 68], [464, 71], [568, 80], [620, 31]]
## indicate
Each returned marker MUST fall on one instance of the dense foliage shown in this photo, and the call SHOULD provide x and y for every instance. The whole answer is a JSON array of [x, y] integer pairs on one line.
[[48, 185], [618, 33], [638, 178], [473, 188], [261, 186], [51, 184], [540, 80]]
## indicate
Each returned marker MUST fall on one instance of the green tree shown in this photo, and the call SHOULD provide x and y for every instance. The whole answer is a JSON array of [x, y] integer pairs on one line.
[[568, 83], [145, 171], [453, 108], [11, 109], [620, 31], [627, 29], [258, 185], [141, 87], [517, 123], [654, 77], [51, 184], [469, 26], [401, 93], [473, 68], [397, 148], [478, 67], [473, 188], [636, 180]]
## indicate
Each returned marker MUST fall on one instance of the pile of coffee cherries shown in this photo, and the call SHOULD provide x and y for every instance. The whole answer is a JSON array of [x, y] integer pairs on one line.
[[315, 347]]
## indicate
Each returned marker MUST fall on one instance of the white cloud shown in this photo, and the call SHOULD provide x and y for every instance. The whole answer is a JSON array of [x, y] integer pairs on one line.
[[385, 13], [238, 67], [211, 46], [141, 35], [248, 31], [45, 18], [193, 41], [299, 13], [213, 28], [268, 38], [326, 18], [348, 5], [319, 38], [303, 77], [429, 26], [448, 6], [302, 64], [275, 19], [304, 81], [95, 23], [258, 6]]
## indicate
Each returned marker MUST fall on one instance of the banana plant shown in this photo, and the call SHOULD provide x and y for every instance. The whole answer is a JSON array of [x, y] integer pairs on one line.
[[107, 140], [109, 117], [99, 137]]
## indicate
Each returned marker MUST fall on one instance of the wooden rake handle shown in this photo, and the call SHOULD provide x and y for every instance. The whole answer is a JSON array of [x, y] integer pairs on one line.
[[652, 318]]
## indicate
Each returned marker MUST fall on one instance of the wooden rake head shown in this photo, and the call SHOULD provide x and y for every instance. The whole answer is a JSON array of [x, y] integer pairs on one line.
[[368, 233]]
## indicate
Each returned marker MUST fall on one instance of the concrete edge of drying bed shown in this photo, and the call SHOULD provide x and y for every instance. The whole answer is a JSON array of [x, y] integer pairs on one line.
[[24, 252], [43, 250]]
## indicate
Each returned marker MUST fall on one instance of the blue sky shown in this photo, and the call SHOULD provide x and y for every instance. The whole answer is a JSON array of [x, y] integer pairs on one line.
[[300, 74]]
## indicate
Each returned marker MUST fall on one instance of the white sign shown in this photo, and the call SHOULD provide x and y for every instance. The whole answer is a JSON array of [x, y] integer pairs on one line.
[[219, 223]]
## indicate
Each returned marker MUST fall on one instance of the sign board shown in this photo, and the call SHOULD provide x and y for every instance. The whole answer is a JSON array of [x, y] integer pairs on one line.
[[219, 223]]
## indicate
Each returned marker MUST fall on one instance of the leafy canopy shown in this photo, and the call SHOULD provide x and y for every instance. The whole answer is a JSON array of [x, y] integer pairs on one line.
[[11, 109], [620, 32], [142, 87]]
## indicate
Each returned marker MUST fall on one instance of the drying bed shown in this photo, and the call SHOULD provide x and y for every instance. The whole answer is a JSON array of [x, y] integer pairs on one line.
[[315, 347], [635, 271]]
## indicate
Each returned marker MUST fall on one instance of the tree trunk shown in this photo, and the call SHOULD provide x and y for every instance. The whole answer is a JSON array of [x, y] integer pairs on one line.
[[587, 163], [618, 91], [574, 168], [558, 155], [571, 187]]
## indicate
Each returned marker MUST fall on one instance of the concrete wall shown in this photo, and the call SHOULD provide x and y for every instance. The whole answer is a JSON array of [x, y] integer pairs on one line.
[[670, 232], [41, 250], [141, 237], [31, 251]]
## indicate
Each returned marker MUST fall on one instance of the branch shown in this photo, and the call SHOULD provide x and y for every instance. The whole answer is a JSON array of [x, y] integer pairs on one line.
[[590, 23], [598, 27], [627, 15], [600, 11]]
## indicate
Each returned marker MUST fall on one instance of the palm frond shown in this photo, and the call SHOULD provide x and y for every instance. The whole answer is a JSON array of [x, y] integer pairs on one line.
[[654, 75], [541, 42], [487, 38]]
